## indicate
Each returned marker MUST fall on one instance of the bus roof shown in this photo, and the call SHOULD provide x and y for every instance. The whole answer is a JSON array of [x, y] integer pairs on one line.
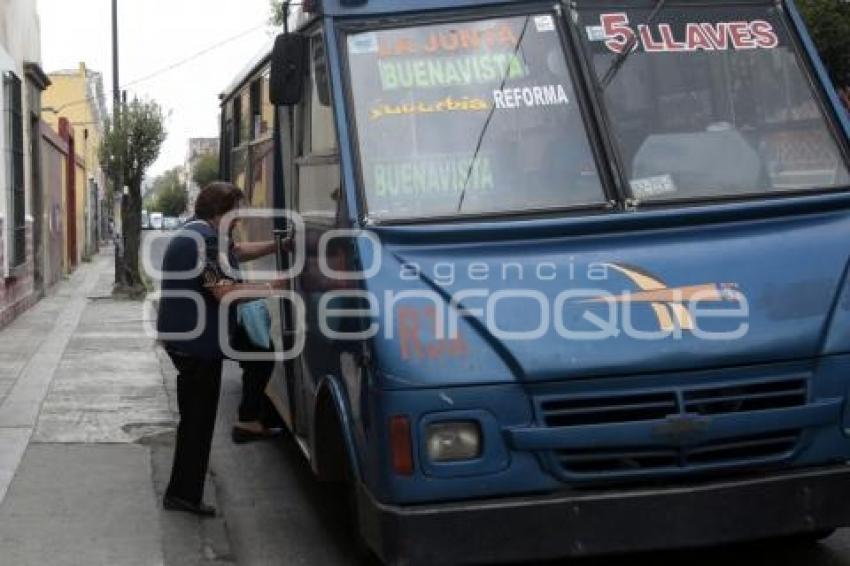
[[353, 8], [378, 7], [342, 8], [338, 8], [255, 64], [297, 20]]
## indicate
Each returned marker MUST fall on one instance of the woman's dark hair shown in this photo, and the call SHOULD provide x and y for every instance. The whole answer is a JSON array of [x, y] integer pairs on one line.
[[217, 199]]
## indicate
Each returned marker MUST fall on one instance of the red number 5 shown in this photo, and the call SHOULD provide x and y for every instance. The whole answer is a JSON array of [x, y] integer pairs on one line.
[[617, 31]]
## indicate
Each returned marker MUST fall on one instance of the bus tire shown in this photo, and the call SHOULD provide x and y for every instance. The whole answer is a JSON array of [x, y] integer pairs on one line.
[[812, 537], [335, 469], [363, 553], [330, 450], [823, 534]]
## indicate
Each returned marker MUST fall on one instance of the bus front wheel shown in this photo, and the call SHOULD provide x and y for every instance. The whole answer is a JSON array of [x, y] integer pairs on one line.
[[812, 537], [336, 471]]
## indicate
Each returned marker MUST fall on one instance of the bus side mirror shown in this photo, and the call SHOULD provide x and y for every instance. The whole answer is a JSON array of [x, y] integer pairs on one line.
[[288, 69]]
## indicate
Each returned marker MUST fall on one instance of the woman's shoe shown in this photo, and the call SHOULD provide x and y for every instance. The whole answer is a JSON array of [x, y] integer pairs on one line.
[[171, 503], [244, 436]]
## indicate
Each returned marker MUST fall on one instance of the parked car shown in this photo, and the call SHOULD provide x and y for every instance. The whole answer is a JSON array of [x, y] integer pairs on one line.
[[170, 223], [156, 220]]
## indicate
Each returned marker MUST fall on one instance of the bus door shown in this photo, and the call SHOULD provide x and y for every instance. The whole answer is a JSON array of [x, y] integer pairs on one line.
[[314, 192], [282, 386]]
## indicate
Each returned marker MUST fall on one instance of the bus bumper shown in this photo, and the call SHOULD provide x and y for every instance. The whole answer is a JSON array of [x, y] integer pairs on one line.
[[606, 522]]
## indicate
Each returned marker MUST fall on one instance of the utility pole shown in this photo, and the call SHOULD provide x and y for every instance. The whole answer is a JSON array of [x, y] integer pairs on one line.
[[118, 181]]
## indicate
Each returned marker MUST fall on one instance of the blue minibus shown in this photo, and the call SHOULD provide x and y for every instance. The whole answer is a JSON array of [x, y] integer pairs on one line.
[[569, 278]]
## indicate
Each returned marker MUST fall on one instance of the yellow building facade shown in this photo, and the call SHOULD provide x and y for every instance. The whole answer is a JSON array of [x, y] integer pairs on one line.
[[78, 96]]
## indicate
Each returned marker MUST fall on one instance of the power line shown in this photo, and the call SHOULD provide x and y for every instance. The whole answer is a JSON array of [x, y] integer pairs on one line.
[[168, 68], [191, 58]]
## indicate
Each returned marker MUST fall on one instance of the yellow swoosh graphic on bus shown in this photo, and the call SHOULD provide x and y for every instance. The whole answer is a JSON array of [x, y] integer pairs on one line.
[[667, 303]]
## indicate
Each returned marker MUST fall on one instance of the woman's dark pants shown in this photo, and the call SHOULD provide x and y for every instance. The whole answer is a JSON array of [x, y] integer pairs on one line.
[[198, 390], [255, 378]]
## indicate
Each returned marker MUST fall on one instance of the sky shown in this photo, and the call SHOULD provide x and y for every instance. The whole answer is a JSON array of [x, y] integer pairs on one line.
[[155, 34]]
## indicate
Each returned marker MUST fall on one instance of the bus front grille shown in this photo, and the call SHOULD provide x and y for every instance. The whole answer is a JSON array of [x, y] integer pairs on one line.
[[660, 455], [717, 453], [609, 409]]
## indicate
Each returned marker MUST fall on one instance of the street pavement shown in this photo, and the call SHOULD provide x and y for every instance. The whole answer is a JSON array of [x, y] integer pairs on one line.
[[277, 513], [87, 418], [86, 433]]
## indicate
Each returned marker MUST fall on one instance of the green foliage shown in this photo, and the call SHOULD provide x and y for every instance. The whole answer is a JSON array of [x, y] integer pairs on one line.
[[206, 170], [133, 145], [277, 15], [173, 201], [130, 145], [172, 177], [168, 194], [829, 24]]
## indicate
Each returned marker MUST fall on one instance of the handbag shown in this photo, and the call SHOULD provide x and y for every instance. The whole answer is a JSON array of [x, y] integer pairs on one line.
[[256, 320]]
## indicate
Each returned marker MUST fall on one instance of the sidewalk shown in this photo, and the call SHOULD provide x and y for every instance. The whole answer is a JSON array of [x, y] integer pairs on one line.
[[86, 436]]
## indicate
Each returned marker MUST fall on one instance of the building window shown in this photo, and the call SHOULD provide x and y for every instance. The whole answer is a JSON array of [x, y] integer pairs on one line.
[[12, 95]]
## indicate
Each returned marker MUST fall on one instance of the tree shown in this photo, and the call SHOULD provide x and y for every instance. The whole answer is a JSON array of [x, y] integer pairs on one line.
[[172, 201], [277, 12], [131, 144], [168, 193], [206, 170], [829, 24]]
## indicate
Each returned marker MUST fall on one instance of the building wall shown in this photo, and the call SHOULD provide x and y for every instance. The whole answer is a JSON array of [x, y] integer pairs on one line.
[[17, 294], [77, 95], [53, 164], [74, 172], [68, 264], [20, 41], [84, 250]]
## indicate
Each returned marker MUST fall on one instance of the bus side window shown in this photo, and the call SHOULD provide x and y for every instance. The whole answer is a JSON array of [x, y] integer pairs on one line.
[[256, 93], [318, 172], [226, 142], [237, 121], [322, 129]]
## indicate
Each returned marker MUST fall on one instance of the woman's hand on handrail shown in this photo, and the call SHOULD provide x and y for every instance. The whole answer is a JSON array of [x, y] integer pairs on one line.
[[249, 251], [256, 290]]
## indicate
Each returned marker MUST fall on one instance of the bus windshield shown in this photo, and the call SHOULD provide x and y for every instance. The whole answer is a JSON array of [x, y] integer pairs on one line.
[[477, 117], [712, 102]]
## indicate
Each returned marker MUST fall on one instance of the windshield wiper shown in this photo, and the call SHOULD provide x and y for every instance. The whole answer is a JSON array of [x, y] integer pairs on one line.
[[630, 48], [489, 119]]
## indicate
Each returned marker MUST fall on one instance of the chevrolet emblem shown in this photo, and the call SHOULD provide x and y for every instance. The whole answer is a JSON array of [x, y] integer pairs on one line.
[[682, 429]]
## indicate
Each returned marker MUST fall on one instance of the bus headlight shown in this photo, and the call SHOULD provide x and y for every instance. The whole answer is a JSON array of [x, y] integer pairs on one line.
[[454, 441]]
